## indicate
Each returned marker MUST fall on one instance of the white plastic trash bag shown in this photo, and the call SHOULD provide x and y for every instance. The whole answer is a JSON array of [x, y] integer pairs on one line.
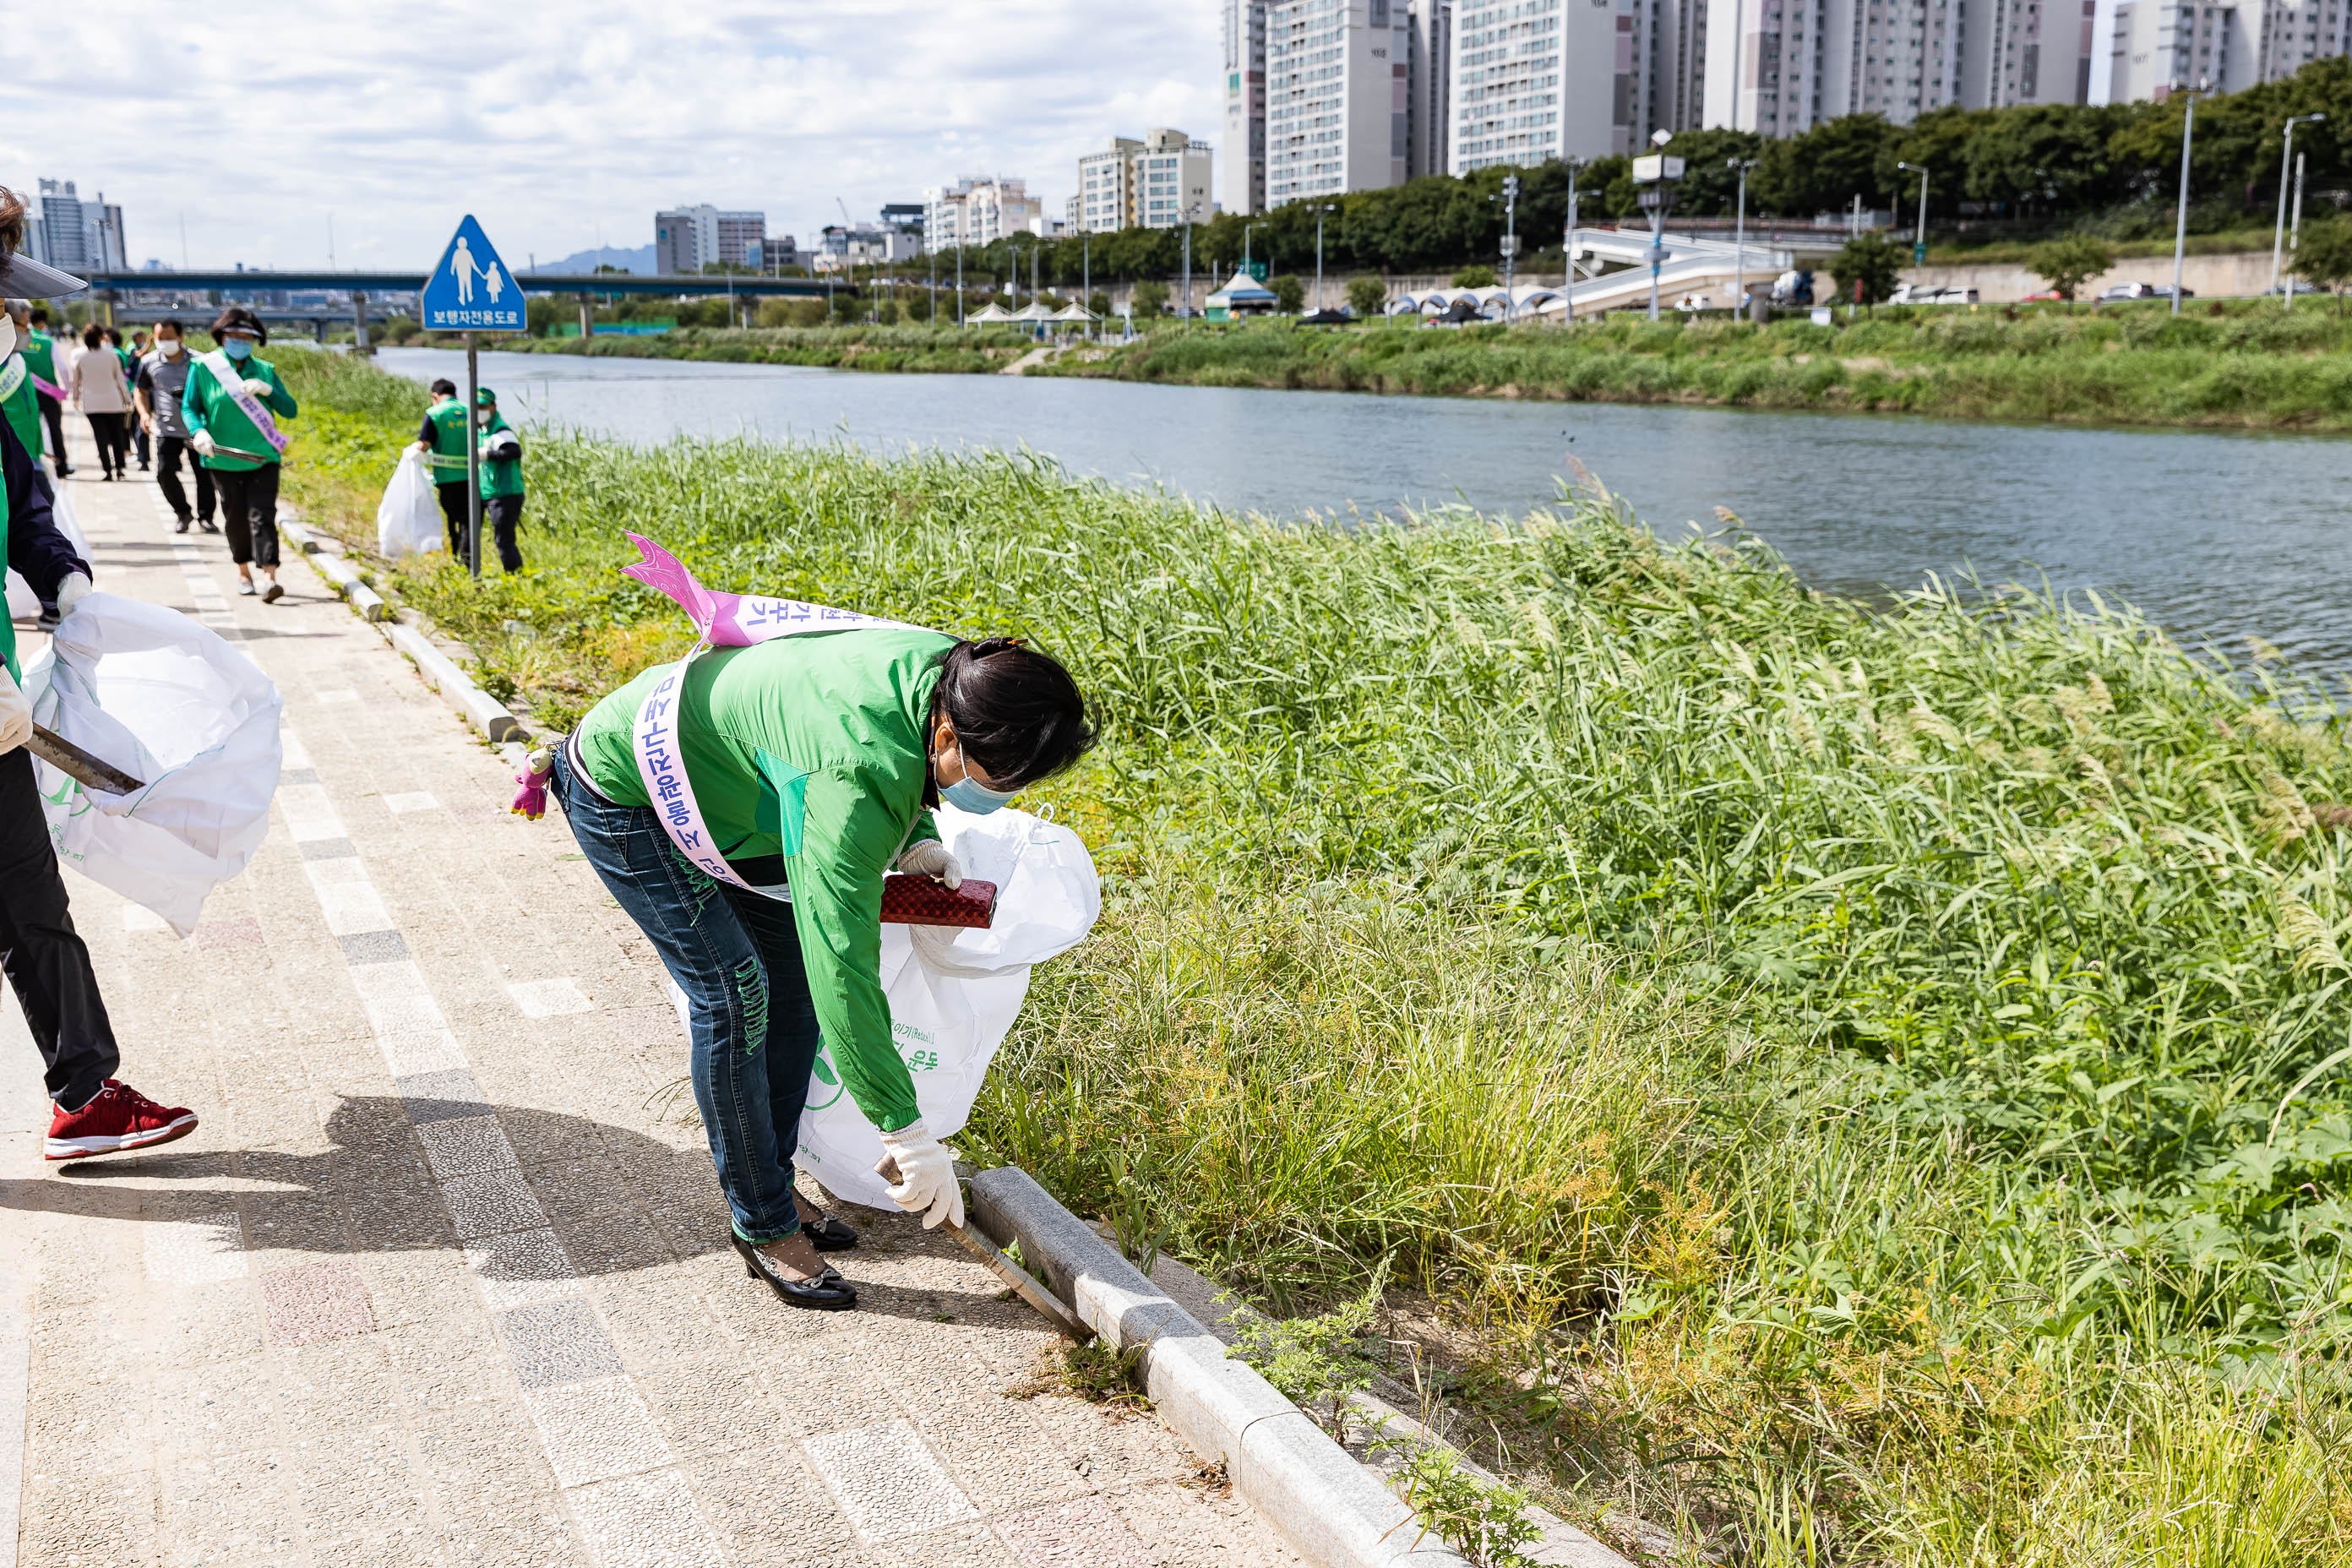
[[954, 994], [408, 518], [168, 702], [23, 602]]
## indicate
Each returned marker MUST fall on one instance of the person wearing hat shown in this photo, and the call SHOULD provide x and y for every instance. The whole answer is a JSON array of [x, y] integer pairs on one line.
[[40, 353], [501, 478], [231, 407], [48, 964]]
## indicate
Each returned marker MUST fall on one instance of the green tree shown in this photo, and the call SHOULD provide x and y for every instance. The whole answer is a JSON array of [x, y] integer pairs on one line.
[[1150, 298], [1825, 168], [1098, 304], [1367, 295], [2068, 264], [2323, 256], [846, 308], [1478, 275], [1290, 293], [1872, 260], [539, 314]]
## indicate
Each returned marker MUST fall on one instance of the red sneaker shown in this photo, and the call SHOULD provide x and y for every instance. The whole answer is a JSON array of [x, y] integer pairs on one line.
[[117, 1119]]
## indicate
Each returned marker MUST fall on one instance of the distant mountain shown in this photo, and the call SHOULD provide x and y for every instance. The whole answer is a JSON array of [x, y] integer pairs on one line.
[[641, 260]]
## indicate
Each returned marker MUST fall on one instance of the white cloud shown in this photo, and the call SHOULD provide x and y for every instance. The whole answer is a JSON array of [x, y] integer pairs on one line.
[[253, 122]]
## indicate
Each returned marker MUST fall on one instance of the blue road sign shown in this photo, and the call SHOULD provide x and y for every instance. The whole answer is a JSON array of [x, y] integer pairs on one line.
[[471, 290]]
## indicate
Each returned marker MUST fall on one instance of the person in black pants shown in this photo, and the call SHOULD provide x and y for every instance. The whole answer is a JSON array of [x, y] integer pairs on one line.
[[41, 354], [163, 381], [46, 961]]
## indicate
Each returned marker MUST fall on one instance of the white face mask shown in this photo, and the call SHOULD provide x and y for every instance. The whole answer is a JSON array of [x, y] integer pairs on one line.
[[169, 347], [7, 336]]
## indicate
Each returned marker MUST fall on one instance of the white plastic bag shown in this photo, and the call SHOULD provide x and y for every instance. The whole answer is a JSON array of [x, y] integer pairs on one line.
[[954, 993], [22, 601], [408, 518], [169, 702]]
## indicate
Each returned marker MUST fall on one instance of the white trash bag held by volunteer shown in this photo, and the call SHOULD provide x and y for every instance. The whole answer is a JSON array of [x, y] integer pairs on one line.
[[408, 518], [171, 703]]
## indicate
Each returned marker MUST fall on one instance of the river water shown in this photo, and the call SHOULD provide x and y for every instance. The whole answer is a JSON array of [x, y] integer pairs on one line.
[[2218, 537]]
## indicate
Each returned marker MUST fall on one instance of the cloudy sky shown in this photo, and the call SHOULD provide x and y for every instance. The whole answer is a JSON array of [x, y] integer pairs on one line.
[[254, 123]]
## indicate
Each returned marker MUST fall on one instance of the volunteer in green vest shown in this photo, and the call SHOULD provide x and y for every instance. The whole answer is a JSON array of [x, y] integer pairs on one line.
[[231, 407], [47, 964], [501, 478], [442, 439], [19, 403], [41, 358], [815, 760]]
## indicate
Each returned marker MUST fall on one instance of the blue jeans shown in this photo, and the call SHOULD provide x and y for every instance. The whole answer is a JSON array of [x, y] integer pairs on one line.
[[736, 956]]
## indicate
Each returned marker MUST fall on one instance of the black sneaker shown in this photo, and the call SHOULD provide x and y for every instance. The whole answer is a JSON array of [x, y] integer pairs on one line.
[[181, 526]]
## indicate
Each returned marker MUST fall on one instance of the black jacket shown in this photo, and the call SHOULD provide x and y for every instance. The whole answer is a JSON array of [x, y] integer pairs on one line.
[[37, 550]]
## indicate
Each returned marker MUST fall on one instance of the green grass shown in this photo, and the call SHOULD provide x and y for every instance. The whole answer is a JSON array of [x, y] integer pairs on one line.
[[2255, 367], [945, 350], [1868, 1078]]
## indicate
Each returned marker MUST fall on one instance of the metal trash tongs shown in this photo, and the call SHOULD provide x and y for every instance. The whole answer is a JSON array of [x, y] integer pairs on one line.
[[90, 772], [1023, 1283]]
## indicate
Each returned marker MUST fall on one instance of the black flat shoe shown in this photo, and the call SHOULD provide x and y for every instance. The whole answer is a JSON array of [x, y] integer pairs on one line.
[[829, 1233], [828, 1292]]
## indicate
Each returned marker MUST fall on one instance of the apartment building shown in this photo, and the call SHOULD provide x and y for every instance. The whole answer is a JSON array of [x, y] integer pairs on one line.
[[1244, 148], [73, 235], [979, 209], [1547, 78], [1335, 99], [1148, 183], [1428, 62], [688, 238], [2159, 43], [2297, 32]]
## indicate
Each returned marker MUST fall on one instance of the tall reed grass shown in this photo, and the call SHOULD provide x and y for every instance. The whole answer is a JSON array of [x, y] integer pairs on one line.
[[1871, 1077]]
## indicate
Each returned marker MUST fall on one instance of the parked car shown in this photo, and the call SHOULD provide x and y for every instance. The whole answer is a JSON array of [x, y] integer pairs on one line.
[[2295, 286], [2141, 291], [1793, 287], [2044, 294]]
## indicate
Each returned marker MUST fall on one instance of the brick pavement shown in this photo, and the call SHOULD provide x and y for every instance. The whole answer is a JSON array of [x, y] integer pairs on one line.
[[443, 1276]]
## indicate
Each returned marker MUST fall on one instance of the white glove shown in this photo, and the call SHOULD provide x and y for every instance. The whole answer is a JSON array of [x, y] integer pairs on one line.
[[258, 387], [16, 723], [203, 443], [926, 1180], [70, 591], [930, 858]]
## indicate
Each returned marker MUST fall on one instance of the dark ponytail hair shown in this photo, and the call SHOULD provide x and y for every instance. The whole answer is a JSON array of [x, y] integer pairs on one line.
[[1017, 714]]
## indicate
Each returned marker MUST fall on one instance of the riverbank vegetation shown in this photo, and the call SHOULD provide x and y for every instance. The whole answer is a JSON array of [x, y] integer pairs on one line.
[[2257, 367], [1856, 1086]]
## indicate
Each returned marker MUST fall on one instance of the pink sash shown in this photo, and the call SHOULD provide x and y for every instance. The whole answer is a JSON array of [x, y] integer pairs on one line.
[[721, 620], [226, 372]]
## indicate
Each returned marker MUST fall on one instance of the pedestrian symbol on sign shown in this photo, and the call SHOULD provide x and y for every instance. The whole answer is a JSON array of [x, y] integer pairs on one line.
[[471, 290]]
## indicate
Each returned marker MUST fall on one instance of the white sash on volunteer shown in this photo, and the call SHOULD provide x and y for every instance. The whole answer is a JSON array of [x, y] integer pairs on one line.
[[12, 377], [723, 620], [225, 372]]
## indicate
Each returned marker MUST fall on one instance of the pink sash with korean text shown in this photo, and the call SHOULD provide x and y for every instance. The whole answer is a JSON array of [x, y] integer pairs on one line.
[[721, 620], [225, 372]]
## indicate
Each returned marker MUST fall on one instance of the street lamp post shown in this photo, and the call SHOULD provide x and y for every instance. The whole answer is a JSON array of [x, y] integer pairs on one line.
[[1920, 238], [2294, 223], [2278, 236], [1567, 245], [1086, 275], [2180, 221], [1510, 242], [1184, 306], [1320, 208], [1658, 175], [959, 282], [1739, 242]]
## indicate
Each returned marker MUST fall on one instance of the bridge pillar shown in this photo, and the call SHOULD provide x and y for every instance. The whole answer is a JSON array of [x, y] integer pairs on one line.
[[587, 318], [359, 322]]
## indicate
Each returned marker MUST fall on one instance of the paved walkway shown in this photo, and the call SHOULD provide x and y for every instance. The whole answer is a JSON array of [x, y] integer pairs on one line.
[[444, 1277]]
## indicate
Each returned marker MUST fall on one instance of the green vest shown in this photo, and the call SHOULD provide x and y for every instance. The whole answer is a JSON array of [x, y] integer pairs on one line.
[[500, 479], [40, 354], [22, 409], [208, 407], [448, 455]]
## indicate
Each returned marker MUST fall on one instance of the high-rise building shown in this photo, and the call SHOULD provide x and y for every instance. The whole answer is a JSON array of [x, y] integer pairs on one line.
[[2162, 43], [2297, 32], [74, 235], [690, 238], [1335, 97], [1429, 52], [1153, 182], [1547, 78], [1244, 106], [978, 209]]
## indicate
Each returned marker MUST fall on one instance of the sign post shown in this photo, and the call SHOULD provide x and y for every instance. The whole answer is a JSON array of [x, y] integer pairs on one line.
[[471, 291]]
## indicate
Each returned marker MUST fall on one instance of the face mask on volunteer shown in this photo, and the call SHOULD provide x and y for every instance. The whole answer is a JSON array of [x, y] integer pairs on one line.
[[169, 347], [969, 794], [237, 348]]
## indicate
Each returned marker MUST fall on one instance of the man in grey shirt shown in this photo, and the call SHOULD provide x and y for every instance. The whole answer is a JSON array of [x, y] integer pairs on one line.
[[163, 378]]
